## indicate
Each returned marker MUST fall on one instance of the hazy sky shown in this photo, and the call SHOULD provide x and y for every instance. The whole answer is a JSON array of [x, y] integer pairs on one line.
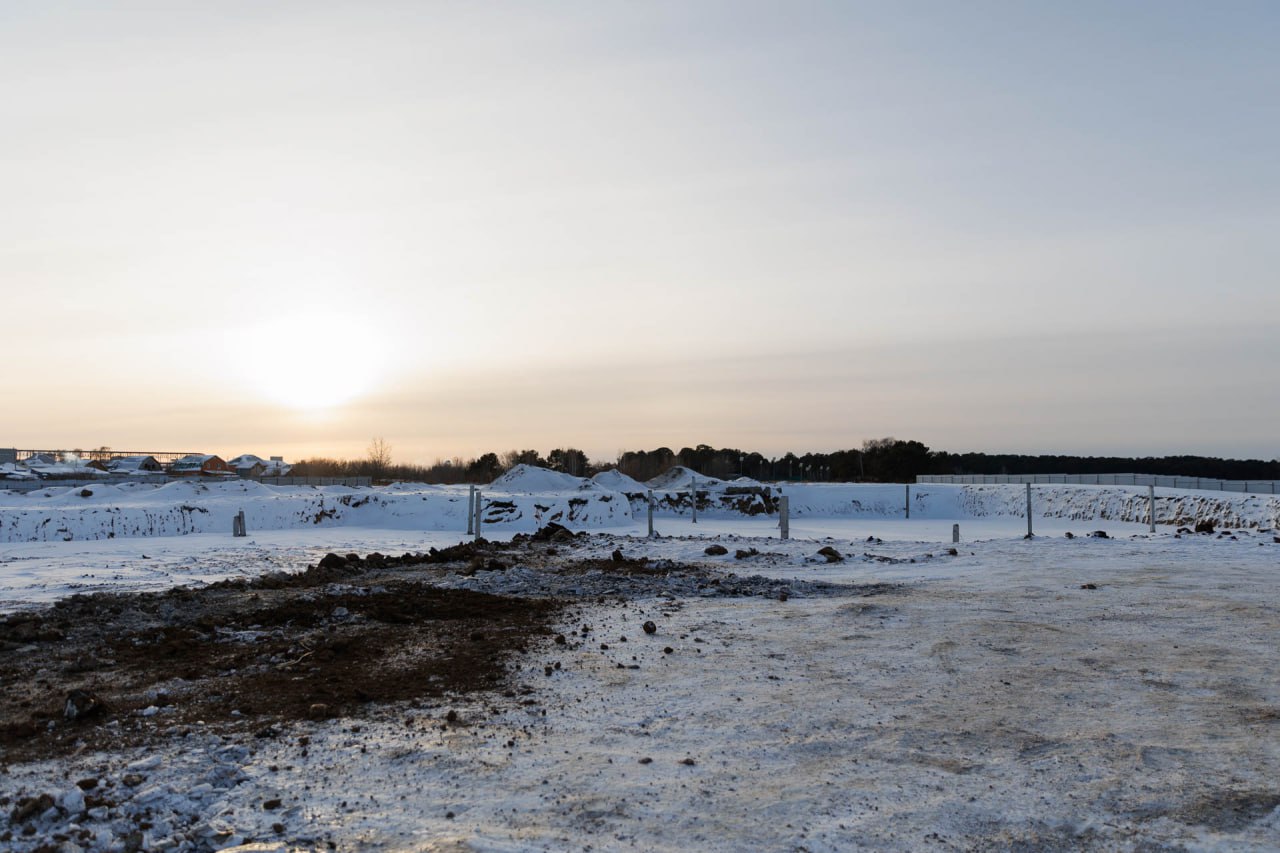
[[288, 228]]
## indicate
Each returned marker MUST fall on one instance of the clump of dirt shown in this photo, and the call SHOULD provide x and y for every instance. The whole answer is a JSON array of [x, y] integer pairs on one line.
[[243, 654]]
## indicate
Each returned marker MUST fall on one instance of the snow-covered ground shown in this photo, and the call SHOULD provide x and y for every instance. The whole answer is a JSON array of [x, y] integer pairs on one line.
[[1054, 693]]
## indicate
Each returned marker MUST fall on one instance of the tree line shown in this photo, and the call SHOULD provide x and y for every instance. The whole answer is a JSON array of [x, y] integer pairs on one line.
[[882, 460]]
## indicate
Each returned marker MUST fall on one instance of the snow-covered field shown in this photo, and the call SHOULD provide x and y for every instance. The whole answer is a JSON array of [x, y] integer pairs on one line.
[[1057, 693]]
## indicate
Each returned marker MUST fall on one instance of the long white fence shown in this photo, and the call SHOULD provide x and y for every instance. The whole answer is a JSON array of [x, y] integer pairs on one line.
[[1257, 487]]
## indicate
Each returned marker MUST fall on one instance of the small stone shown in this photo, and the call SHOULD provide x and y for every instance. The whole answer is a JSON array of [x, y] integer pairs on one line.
[[272, 804], [716, 551], [452, 716], [688, 762], [646, 760], [81, 704], [1088, 586], [649, 627], [318, 711], [667, 650]]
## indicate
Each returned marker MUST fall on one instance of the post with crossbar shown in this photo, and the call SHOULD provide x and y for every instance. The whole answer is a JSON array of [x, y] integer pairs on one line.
[[471, 510], [784, 516], [650, 513], [1151, 506], [1029, 533], [693, 493], [479, 498]]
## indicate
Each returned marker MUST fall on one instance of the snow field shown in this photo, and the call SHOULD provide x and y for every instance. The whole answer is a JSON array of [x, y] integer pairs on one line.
[[988, 702]]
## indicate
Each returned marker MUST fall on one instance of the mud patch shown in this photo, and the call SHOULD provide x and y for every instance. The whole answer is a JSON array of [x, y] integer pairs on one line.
[[238, 656]]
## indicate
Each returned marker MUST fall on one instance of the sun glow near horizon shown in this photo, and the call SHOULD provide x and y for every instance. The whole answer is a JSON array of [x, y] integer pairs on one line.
[[301, 369]]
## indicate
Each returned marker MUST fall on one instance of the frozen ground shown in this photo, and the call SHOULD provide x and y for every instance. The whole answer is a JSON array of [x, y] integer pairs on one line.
[[1051, 694]]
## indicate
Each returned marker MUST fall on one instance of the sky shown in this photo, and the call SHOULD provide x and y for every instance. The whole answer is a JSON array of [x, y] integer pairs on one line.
[[287, 228]]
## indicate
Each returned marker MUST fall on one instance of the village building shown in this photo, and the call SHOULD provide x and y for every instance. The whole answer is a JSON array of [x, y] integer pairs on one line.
[[135, 466], [200, 465], [250, 465]]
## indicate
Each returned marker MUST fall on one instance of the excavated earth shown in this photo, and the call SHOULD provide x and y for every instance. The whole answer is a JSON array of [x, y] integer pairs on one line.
[[110, 671]]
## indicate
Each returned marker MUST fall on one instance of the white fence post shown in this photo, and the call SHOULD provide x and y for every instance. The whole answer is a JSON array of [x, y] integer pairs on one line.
[[784, 516], [479, 498], [471, 510], [955, 533], [1151, 505]]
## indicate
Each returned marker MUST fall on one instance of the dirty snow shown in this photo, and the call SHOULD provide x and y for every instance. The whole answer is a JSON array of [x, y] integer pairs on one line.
[[1055, 693]]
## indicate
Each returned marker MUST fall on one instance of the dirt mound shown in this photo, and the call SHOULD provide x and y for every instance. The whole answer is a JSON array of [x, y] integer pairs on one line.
[[236, 656]]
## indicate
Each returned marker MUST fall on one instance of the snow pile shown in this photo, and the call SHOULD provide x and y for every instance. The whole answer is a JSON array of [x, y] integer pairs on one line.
[[681, 477], [530, 479], [616, 481]]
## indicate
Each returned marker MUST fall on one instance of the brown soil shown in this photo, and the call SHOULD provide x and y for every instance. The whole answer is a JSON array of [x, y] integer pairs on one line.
[[237, 656]]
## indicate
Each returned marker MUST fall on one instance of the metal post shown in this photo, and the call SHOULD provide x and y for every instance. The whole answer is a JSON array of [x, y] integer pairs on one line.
[[784, 516], [1029, 533], [471, 510], [693, 492], [908, 504], [1151, 506], [650, 513], [955, 533], [479, 496]]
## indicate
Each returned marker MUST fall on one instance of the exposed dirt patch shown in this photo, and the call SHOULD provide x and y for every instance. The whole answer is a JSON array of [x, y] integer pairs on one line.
[[238, 655]]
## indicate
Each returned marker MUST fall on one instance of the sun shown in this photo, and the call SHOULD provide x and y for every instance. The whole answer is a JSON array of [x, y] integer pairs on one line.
[[318, 364]]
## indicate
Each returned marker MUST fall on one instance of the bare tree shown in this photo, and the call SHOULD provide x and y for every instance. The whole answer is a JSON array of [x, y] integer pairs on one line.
[[379, 456]]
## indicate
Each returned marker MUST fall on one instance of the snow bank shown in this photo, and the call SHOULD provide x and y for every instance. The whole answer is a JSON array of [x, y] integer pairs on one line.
[[531, 499], [182, 508]]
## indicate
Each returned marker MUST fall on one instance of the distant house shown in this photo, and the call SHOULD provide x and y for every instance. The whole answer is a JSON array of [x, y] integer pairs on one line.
[[14, 471], [46, 466], [249, 465], [200, 465], [135, 466]]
